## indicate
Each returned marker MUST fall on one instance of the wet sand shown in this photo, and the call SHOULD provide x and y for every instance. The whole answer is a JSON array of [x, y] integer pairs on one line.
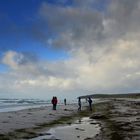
[[28, 118], [30, 123], [79, 129], [119, 119]]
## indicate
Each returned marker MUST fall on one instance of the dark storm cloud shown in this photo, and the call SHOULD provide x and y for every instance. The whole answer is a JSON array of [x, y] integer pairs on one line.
[[85, 23], [124, 17], [72, 25], [77, 24]]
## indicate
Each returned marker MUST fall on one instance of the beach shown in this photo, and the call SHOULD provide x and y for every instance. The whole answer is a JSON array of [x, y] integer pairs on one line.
[[111, 119], [35, 121], [119, 119], [32, 118]]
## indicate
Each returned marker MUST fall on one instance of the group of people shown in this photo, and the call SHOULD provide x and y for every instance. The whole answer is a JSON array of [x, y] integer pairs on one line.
[[80, 104], [55, 101]]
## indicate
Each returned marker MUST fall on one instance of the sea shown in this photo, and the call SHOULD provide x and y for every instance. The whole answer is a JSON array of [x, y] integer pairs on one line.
[[9, 105]]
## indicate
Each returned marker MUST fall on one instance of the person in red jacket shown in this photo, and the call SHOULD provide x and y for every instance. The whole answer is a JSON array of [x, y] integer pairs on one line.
[[54, 102]]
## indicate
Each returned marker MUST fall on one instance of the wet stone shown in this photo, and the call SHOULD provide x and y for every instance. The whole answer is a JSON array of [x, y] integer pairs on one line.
[[80, 129], [97, 116], [43, 134]]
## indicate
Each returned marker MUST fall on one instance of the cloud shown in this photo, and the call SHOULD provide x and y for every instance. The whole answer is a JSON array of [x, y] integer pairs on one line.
[[83, 23], [72, 26], [103, 44], [14, 59], [122, 18], [100, 70]]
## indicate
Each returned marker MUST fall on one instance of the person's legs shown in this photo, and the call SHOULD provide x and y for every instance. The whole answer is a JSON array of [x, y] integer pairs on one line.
[[79, 108], [55, 107], [90, 107]]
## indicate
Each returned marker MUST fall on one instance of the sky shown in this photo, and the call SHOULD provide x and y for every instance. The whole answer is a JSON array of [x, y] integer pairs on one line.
[[68, 48]]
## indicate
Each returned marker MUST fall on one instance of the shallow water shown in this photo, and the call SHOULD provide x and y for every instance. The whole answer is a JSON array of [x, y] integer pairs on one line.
[[79, 130]]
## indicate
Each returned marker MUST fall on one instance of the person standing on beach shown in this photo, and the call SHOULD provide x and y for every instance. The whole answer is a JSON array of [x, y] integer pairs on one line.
[[54, 102], [79, 104], [90, 103], [65, 101]]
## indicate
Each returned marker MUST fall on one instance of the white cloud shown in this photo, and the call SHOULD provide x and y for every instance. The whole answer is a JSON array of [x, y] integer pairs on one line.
[[103, 48], [10, 59], [99, 70]]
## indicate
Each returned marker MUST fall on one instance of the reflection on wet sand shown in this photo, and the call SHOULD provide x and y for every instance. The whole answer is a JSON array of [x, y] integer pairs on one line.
[[79, 130]]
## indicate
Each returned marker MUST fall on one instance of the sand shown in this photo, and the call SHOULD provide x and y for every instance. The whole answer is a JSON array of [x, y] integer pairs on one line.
[[29, 118], [119, 119]]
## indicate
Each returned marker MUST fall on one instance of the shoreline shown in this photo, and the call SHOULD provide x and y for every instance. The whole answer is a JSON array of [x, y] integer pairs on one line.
[[117, 118], [30, 123], [15, 122]]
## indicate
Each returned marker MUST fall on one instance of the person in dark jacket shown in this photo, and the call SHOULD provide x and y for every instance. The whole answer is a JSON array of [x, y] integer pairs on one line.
[[65, 101], [54, 102], [90, 103], [79, 104]]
